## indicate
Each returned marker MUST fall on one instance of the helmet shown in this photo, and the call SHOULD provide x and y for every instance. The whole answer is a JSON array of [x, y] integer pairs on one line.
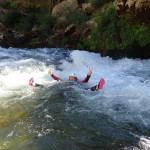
[[72, 74], [72, 77]]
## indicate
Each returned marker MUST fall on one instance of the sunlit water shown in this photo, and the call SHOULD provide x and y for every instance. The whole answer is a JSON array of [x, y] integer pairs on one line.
[[67, 117]]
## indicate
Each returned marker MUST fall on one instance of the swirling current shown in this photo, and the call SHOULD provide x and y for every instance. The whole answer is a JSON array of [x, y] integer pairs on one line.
[[68, 117]]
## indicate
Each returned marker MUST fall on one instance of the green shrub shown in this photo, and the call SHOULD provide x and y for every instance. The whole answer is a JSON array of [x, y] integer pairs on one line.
[[33, 42], [131, 33], [102, 37], [142, 35], [76, 17], [113, 33], [26, 23], [46, 23], [64, 40], [5, 4], [12, 18], [49, 40], [99, 3], [126, 34]]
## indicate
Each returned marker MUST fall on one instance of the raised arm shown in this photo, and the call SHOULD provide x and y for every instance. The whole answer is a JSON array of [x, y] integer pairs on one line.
[[88, 75], [53, 76]]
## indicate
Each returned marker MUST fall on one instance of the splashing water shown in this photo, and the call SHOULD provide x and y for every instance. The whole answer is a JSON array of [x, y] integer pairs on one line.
[[65, 117]]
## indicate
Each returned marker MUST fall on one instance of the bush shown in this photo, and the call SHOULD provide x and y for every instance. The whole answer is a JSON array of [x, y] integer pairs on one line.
[[102, 37], [46, 23], [79, 46], [76, 17], [25, 23], [33, 42], [100, 3], [12, 18], [142, 35], [64, 40], [113, 33], [133, 33], [5, 4]]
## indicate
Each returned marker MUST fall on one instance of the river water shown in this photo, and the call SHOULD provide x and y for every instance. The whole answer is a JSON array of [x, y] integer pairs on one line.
[[67, 117]]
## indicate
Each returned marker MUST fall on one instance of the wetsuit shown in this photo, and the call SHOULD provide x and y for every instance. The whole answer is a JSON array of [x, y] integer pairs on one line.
[[96, 87], [83, 81]]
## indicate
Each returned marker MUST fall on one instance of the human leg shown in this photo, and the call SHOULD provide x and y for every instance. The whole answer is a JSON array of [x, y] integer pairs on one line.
[[31, 83], [99, 86]]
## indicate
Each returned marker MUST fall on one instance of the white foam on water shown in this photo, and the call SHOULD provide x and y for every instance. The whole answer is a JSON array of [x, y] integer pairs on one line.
[[117, 74], [144, 143], [125, 96], [15, 72], [126, 78]]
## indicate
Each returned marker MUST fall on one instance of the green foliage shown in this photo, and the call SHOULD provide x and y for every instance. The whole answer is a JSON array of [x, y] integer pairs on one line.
[[81, 1], [13, 4], [131, 33], [5, 4], [12, 18], [102, 37], [49, 40], [99, 3], [113, 33], [126, 34], [26, 23], [33, 42], [65, 39], [76, 17], [80, 46], [46, 23], [142, 35], [25, 19]]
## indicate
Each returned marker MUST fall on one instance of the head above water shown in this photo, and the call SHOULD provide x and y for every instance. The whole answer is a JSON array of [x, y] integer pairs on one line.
[[72, 77]]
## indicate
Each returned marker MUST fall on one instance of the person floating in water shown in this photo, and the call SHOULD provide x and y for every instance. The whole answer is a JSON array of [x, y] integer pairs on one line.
[[72, 77]]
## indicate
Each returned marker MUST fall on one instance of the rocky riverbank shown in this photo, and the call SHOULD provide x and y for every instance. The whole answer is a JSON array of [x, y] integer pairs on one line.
[[113, 28]]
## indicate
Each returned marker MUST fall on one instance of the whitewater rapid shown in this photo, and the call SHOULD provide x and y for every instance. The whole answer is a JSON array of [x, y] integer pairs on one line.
[[125, 97]]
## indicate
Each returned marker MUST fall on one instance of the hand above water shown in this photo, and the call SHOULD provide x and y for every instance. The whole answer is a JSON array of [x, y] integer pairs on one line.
[[50, 71], [90, 71]]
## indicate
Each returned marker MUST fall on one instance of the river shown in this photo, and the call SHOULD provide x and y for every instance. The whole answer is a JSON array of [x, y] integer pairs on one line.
[[67, 117]]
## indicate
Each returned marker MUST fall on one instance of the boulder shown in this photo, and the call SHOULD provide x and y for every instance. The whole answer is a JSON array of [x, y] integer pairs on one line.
[[3, 28], [34, 32], [87, 8], [70, 29], [3, 13], [92, 23], [137, 9], [7, 38], [143, 11], [10, 38], [74, 38], [120, 7], [62, 8]]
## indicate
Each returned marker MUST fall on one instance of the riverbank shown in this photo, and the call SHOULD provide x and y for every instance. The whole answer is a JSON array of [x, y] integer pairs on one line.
[[111, 28]]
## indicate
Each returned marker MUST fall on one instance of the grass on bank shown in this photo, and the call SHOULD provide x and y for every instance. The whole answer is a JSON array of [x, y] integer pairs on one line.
[[115, 33]]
